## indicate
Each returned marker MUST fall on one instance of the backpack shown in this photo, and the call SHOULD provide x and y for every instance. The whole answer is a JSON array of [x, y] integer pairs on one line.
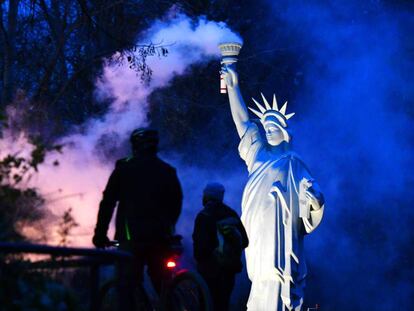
[[229, 250]]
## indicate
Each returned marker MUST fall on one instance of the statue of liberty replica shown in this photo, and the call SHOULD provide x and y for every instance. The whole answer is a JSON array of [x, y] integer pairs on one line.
[[281, 201]]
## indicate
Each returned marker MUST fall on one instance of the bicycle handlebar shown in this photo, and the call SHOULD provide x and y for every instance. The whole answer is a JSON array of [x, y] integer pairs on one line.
[[113, 243]]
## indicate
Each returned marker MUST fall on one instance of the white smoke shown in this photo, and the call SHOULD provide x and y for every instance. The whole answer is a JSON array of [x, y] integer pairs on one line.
[[81, 176]]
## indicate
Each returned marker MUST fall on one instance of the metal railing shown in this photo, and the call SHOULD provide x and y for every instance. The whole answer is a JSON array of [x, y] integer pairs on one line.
[[86, 257]]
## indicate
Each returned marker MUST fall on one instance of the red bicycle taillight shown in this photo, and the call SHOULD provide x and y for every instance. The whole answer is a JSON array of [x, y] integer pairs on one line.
[[171, 264]]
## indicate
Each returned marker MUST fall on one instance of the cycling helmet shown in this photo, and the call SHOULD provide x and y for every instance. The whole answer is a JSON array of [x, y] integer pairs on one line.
[[144, 138]]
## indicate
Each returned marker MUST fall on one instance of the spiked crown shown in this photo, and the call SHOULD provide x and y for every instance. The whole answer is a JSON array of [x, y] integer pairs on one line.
[[269, 113]]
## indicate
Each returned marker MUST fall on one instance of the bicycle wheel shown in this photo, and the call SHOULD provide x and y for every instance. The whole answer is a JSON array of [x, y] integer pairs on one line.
[[108, 298], [187, 292]]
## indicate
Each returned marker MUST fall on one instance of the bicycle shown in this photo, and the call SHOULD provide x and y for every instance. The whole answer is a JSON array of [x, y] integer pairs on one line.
[[181, 289]]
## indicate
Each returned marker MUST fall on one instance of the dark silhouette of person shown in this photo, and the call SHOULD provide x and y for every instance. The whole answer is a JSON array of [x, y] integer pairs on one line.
[[218, 241], [149, 199]]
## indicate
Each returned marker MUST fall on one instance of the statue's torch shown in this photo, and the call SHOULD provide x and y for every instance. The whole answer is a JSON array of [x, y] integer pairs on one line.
[[229, 52]]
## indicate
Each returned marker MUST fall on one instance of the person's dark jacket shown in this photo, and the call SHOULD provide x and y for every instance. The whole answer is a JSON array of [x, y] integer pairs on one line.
[[149, 196], [205, 238]]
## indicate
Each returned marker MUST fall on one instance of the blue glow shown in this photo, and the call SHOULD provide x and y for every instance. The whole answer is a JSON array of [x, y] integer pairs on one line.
[[354, 127]]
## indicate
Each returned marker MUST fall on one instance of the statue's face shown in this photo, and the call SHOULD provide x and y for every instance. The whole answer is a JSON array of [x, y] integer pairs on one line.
[[274, 134]]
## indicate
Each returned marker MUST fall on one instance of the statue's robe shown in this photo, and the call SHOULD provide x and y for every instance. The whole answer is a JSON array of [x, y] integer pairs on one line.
[[275, 223]]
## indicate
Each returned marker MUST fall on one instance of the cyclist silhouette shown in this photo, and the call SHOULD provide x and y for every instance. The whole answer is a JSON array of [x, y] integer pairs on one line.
[[149, 198]]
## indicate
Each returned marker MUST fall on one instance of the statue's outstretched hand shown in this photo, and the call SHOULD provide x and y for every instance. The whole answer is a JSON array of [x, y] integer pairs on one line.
[[229, 75]]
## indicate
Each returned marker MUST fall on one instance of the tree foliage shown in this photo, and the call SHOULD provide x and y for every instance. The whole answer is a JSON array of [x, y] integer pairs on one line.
[[20, 206], [66, 224], [53, 50]]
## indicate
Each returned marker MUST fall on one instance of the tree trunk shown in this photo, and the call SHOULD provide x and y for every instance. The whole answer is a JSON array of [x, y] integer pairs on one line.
[[58, 59]]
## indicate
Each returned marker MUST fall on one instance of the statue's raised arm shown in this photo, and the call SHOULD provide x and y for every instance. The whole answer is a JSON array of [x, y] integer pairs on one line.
[[237, 106]]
